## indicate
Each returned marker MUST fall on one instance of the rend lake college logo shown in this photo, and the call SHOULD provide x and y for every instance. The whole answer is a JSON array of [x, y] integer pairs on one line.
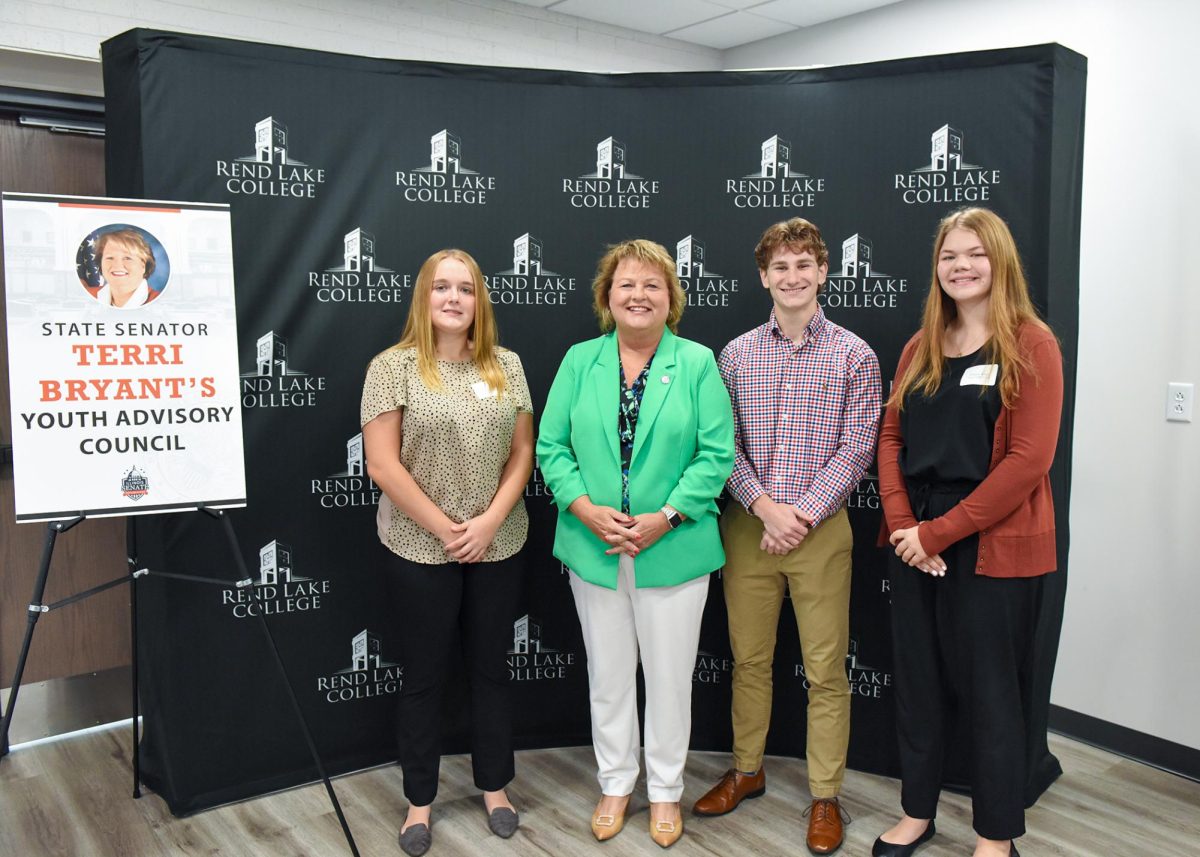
[[701, 287], [368, 675], [611, 185], [529, 660], [360, 278], [776, 184], [445, 180], [860, 285], [350, 487], [527, 282], [278, 588], [948, 178], [274, 384], [270, 171]]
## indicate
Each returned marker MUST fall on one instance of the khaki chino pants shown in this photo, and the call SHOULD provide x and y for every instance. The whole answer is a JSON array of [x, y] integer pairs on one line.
[[817, 575]]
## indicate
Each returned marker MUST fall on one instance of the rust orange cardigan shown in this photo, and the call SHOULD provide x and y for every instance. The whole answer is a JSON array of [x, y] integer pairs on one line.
[[1011, 509]]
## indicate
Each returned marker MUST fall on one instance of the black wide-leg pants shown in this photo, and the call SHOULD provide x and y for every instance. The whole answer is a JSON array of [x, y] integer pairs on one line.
[[439, 608], [962, 647]]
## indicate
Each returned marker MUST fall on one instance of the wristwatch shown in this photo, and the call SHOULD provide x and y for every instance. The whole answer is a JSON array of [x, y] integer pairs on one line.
[[673, 517]]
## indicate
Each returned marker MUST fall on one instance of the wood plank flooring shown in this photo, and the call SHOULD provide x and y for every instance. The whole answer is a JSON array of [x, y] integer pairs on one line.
[[71, 799]]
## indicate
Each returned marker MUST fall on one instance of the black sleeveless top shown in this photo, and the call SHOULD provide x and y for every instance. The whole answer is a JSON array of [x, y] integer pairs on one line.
[[948, 435]]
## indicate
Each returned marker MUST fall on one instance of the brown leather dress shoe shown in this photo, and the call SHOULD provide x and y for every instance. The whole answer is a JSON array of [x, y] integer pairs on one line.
[[733, 788], [826, 829]]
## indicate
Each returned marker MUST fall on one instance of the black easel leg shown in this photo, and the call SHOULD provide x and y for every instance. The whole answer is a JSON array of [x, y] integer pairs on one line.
[[243, 574], [35, 613], [132, 559]]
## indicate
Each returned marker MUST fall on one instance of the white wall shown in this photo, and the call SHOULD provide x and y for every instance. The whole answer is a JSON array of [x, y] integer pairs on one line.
[[487, 32], [1130, 651]]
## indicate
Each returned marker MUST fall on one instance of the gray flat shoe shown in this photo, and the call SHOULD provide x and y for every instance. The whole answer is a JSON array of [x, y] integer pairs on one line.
[[503, 822], [416, 840]]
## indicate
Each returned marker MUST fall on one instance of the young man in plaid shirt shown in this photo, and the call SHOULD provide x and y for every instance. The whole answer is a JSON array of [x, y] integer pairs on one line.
[[806, 402]]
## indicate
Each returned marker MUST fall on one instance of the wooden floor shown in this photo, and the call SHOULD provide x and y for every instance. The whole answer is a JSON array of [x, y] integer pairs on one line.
[[71, 798]]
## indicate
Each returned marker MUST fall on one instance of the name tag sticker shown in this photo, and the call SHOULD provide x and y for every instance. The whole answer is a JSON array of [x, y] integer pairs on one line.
[[482, 390], [984, 374]]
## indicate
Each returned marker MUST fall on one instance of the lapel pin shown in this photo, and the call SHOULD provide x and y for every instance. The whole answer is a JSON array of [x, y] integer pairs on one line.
[[666, 379]]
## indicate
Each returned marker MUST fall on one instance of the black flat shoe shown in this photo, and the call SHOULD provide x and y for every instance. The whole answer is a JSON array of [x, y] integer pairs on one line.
[[891, 849], [1012, 850]]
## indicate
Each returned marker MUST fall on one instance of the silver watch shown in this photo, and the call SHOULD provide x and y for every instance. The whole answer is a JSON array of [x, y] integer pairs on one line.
[[673, 517]]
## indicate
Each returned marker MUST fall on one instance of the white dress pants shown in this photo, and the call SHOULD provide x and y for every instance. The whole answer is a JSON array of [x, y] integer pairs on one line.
[[663, 624]]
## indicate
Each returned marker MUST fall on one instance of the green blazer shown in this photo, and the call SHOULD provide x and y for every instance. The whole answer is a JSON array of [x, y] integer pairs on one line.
[[682, 455]]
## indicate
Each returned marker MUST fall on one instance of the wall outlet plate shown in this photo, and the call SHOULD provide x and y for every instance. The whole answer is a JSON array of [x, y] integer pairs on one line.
[[1179, 402]]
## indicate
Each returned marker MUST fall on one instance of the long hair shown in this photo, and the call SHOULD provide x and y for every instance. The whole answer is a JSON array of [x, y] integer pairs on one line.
[[642, 250], [419, 333], [1009, 307]]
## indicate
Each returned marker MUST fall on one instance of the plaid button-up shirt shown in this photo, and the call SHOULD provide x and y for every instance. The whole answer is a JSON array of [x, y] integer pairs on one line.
[[806, 414]]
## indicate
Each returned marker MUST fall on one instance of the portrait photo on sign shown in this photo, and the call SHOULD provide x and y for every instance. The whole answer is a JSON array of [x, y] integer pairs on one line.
[[122, 266]]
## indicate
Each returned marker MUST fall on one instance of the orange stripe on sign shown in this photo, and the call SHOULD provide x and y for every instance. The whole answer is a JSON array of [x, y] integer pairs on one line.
[[120, 207]]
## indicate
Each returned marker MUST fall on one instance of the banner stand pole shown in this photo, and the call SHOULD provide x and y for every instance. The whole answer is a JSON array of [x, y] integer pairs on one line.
[[36, 609], [131, 559], [244, 574]]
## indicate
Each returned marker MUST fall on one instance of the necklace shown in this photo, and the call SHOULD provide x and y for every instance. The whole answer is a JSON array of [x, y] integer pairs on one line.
[[969, 346]]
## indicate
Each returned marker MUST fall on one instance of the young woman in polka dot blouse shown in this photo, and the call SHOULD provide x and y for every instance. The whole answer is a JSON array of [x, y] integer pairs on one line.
[[448, 428]]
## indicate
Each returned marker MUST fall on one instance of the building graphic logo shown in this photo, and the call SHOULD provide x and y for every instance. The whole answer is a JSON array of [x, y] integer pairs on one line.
[[712, 669], [528, 282], [611, 185], [369, 676], [530, 660], [948, 178], [274, 383], [865, 495], [701, 286], [360, 278], [349, 487], [860, 285], [135, 484], [536, 486], [278, 588], [776, 184], [270, 171], [445, 180], [865, 681]]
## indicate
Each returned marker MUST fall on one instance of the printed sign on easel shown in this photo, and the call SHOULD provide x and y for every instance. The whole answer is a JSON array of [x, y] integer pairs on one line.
[[122, 351]]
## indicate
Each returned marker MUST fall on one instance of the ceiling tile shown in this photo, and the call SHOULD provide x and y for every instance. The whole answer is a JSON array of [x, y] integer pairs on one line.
[[736, 28], [658, 16], [806, 13]]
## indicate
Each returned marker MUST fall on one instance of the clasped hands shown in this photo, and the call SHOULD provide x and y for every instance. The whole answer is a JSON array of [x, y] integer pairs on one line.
[[908, 547], [468, 541], [784, 525], [626, 534]]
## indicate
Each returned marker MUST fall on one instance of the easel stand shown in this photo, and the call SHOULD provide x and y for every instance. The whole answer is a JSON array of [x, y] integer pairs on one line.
[[37, 608]]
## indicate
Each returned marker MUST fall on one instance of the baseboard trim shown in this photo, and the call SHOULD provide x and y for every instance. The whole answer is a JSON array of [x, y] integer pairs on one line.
[[1165, 755]]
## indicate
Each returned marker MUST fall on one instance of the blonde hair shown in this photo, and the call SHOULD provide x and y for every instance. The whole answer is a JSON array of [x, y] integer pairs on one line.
[[419, 333], [642, 250], [1009, 307], [130, 238]]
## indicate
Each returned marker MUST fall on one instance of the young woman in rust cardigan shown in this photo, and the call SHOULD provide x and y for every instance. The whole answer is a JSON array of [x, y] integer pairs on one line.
[[964, 455]]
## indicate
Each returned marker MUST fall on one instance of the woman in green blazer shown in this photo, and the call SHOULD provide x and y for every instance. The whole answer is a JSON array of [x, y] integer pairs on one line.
[[635, 443]]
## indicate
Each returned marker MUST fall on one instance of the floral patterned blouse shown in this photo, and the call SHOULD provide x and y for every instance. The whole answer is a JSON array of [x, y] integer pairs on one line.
[[630, 404]]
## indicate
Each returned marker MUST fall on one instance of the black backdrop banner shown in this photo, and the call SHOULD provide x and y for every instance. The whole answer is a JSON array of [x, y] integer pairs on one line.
[[345, 173]]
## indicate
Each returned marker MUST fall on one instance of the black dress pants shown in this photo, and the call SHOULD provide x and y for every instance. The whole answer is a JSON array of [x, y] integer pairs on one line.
[[962, 647], [439, 608]]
